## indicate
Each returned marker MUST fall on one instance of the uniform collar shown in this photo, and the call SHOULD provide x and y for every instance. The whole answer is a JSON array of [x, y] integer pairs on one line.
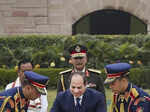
[[83, 70], [126, 93], [128, 88], [21, 92], [23, 101]]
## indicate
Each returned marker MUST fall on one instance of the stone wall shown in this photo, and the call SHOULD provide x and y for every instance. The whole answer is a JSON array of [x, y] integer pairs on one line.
[[57, 16]]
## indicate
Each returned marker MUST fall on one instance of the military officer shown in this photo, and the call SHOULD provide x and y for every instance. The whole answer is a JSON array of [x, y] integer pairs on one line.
[[38, 105], [126, 96], [17, 99], [78, 54]]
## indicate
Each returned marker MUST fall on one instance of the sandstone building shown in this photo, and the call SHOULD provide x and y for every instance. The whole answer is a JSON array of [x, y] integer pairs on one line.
[[59, 16]]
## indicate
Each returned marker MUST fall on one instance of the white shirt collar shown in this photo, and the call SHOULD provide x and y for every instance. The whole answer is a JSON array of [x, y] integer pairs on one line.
[[17, 82], [80, 99]]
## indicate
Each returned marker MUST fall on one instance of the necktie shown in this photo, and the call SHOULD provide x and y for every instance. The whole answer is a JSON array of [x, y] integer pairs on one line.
[[78, 106], [122, 103]]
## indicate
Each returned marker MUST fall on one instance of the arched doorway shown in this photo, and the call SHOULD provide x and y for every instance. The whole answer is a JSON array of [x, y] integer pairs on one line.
[[109, 22]]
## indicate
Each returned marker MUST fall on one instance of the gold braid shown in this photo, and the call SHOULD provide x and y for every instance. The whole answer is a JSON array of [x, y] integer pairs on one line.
[[4, 103], [62, 82]]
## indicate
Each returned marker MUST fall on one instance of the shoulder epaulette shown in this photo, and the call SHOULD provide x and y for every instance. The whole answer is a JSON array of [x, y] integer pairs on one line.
[[94, 70], [2, 97], [65, 71], [134, 93], [147, 98], [4, 103]]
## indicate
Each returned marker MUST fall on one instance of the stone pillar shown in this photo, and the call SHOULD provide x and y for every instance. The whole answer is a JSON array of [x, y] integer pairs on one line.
[[148, 28]]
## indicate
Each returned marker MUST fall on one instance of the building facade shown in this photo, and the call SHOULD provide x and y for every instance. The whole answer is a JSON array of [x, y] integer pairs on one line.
[[57, 16]]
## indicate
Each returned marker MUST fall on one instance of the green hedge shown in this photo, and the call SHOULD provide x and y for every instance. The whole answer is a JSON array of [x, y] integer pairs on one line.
[[10, 75], [53, 74], [138, 76], [102, 49], [7, 76]]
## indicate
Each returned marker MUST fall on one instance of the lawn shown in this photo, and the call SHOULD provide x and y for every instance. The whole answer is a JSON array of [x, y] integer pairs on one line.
[[52, 95]]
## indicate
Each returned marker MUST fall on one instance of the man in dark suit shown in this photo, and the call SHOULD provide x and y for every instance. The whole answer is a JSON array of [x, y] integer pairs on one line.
[[78, 58], [79, 98]]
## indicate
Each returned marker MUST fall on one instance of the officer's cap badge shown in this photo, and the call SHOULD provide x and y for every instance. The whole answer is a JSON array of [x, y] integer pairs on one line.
[[78, 49]]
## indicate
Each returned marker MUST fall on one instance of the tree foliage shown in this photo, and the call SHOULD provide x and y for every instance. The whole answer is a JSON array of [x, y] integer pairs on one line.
[[102, 49]]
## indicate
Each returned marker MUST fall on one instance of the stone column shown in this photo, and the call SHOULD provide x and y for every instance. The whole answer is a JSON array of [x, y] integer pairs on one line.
[[148, 28]]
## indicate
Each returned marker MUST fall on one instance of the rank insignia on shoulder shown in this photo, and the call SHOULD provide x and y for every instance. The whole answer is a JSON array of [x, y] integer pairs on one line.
[[69, 70], [94, 70], [91, 85], [134, 93], [2, 97], [147, 98]]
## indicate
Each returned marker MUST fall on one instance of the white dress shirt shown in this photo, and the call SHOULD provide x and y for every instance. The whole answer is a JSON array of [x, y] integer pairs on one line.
[[75, 101]]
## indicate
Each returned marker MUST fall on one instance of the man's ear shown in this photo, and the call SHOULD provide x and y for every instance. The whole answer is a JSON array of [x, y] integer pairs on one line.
[[70, 61]]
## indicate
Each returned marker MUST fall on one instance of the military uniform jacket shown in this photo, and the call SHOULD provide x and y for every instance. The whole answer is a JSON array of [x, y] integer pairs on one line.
[[134, 100], [38, 105], [13, 100], [93, 76]]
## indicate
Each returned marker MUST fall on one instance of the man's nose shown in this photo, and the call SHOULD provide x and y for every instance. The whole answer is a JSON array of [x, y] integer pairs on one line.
[[76, 90]]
